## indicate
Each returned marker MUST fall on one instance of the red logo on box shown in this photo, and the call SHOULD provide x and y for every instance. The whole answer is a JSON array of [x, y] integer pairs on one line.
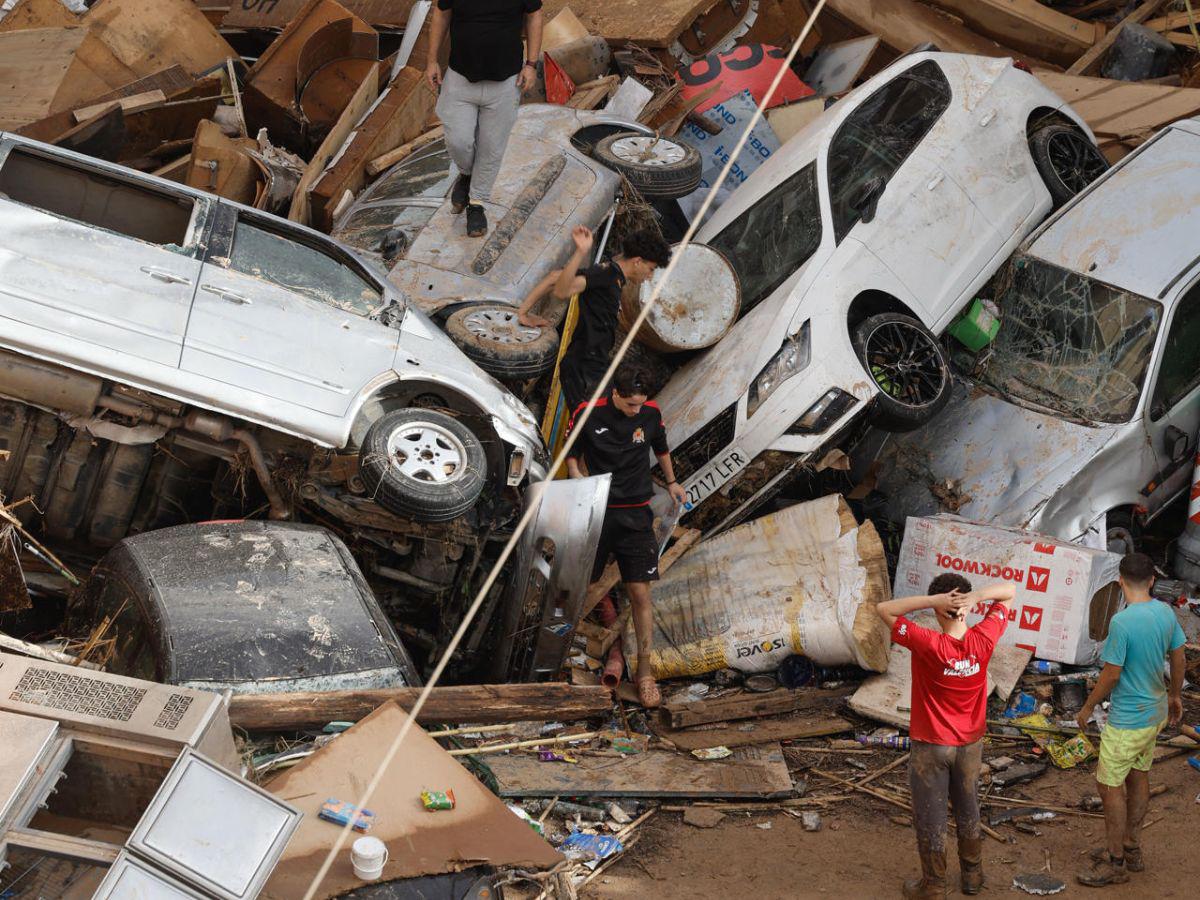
[[1048, 549], [1031, 618], [1038, 580]]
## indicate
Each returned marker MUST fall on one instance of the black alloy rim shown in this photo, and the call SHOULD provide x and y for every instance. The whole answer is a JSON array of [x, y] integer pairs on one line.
[[1075, 159], [905, 364]]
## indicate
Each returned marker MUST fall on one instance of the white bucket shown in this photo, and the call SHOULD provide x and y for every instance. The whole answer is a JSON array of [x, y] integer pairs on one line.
[[368, 855]]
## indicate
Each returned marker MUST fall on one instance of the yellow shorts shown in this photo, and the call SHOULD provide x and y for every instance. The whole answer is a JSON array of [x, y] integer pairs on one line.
[[1122, 749]]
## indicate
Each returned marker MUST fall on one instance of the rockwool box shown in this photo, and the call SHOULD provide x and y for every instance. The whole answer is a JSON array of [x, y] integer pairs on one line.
[[1066, 594]]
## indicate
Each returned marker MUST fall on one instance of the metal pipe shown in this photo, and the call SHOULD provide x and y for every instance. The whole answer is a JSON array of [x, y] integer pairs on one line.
[[279, 509]]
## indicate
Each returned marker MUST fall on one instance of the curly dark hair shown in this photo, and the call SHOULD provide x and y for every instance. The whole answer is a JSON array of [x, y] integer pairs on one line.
[[949, 581], [647, 245]]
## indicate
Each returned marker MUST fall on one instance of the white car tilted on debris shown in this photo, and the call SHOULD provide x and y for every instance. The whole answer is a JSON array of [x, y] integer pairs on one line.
[[857, 243]]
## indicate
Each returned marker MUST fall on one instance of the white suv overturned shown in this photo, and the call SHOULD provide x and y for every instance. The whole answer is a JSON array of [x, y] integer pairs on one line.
[[170, 356]]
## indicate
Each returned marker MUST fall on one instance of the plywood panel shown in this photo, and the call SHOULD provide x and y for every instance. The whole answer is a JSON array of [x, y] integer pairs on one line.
[[278, 13], [756, 731], [42, 70], [654, 24], [37, 14], [147, 35], [1028, 26]]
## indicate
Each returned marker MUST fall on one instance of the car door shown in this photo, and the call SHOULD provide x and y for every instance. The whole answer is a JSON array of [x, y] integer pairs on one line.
[[894, 197], [1173, 412], [284, 314], [96, 265]]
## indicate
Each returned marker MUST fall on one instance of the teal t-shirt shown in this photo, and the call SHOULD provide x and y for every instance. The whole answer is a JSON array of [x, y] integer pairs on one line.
[[1139, 639]]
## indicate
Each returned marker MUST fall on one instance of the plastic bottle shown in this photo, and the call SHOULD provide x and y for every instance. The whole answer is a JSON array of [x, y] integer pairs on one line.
[[893, 741], [1044, 667]]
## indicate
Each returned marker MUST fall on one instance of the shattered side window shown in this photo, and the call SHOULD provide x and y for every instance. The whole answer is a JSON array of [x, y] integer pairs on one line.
[[301, 268], [387, 230], [1070, 343], [425, 174], [1179, 372], [879, 135], [772, 239]]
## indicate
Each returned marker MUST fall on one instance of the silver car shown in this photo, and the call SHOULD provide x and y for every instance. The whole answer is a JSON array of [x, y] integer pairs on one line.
[[168, 356], [1080, 420]]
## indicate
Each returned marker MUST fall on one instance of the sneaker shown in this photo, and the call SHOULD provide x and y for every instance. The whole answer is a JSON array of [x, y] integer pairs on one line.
[[1133, 858], [476, 221], [1104, 872], [460, 193]]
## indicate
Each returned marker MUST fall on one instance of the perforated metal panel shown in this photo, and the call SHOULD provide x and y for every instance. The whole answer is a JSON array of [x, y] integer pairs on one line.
[[77, 693]]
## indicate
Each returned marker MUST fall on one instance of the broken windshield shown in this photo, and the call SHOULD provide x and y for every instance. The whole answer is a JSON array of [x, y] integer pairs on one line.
[[1070, 343]]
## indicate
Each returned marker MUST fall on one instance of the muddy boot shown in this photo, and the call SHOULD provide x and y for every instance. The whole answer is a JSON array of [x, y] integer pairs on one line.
[[970, 864], [476, 220], [460, 194], [1104, 871], [932, 883], [1133, 858]]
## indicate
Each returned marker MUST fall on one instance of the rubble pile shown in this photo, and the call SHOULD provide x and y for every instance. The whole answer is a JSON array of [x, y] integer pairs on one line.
[[270, 418]]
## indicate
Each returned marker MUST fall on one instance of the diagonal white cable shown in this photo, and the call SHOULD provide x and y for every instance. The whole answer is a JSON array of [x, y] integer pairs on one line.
[[537, 489]]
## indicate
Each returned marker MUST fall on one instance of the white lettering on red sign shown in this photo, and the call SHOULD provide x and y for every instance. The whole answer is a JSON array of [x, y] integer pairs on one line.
[[1031, 618], [1039, 579]]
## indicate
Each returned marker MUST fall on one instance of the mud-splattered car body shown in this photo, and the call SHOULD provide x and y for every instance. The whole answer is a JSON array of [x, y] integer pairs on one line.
[[248, 606], [958, 190], [1080, 420]]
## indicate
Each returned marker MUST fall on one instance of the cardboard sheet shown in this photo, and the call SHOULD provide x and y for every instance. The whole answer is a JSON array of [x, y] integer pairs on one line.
[[478, 830]]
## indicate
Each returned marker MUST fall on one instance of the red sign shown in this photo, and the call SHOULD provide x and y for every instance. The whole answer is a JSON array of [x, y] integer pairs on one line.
[[1039, 579], [749, 67], [1048, 549], [1031, 618]]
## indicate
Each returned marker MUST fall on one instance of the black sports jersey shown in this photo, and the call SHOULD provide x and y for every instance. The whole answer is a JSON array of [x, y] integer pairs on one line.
[[616, 443]]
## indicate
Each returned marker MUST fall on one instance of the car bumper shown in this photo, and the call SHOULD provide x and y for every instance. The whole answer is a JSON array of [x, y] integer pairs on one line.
[[545, 597]]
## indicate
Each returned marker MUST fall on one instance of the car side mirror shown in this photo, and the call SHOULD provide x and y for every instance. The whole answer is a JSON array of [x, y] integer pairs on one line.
[[868, 198], [1178, 444]]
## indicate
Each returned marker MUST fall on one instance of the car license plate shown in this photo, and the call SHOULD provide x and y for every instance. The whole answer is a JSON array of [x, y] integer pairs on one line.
[[715, 474]]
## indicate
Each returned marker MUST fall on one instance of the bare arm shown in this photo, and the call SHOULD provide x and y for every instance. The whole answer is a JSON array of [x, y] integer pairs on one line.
[[569, 280], [524, 316], [674, 488], [1175, 694], [1109, 676], [891, 610], [576, 468], [1000, 592], [437, 32], [533, 35]]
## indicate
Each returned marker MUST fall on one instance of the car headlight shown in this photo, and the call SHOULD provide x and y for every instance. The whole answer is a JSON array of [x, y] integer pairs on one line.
[[793, 357], [831, 406]]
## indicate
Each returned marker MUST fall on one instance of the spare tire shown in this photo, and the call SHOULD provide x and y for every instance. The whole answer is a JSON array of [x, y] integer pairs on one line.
[[490, 335], [658, 167], [422, 464]]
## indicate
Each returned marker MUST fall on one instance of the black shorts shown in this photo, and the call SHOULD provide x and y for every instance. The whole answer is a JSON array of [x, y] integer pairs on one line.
[[628, 534]]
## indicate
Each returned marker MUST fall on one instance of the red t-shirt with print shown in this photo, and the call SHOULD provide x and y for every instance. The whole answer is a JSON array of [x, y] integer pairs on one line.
[[949, 678]]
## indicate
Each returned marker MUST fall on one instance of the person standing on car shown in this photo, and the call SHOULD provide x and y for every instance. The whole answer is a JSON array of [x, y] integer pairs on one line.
[[949, 718], [614, 440], [1140, 637], [599, 289], [482, 88]]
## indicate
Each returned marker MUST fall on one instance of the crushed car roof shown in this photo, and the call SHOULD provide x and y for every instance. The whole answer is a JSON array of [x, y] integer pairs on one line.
[[244, 601], [1139, 228]]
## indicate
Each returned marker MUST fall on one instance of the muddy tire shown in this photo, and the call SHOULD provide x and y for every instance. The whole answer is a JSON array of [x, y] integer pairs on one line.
[[906, 362], [658, 167], [422, 464], [1066, 159], [494, 340]]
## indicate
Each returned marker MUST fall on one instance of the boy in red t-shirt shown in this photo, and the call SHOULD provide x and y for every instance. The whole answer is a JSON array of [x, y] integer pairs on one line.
[[949, 718]]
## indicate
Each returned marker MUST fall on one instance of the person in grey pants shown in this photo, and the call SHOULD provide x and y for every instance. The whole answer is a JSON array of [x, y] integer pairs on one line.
[[479, 95]]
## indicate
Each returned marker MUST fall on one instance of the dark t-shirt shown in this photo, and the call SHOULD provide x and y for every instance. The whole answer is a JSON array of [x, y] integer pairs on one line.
[[485, 37], [614, 442], [596, 330]]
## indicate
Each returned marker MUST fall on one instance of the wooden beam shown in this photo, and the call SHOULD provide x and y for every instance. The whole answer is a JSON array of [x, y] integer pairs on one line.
[[1097, 6], [483, 703], [380, 163], [1092, 57], [131, 104], [63, 846], [1174, 20], [742, 705], [1028, 26], [1183, 39]]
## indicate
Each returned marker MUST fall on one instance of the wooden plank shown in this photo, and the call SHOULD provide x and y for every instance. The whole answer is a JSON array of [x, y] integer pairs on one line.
[[37, 14], [1122, 113], [760, 731], [63, 846], [176, 170], [134, 103], [743, 705], [903, 24], [788, 121], [1183, 39], [34, 64], [273, 14], [482, 703], [837, 67], [360, 102], [220, 165], [1175, 20], [1092, 57], [758, 771], [1028, 26], [147, 35], [654, 24]]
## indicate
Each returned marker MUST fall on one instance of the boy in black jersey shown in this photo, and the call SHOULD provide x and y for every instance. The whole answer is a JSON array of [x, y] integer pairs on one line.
[[615, 440], [599, 289]]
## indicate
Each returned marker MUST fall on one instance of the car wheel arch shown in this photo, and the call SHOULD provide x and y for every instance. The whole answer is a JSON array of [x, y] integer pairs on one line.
[[872, 302]]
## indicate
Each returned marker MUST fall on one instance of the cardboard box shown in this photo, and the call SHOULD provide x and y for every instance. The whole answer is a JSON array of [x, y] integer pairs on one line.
[[1066, 594]]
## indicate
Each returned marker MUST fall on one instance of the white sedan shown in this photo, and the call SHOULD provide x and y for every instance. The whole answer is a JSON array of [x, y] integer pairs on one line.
[[857, 243]]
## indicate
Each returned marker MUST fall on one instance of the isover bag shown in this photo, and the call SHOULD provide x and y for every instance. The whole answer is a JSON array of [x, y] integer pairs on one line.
[[803, 580]]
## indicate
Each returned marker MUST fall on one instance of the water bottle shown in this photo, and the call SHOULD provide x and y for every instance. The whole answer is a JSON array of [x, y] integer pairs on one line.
[[891, 741], [1044, 667]]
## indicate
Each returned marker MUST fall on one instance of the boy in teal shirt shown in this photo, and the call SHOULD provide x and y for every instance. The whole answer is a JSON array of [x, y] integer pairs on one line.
[[1139, 638]]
